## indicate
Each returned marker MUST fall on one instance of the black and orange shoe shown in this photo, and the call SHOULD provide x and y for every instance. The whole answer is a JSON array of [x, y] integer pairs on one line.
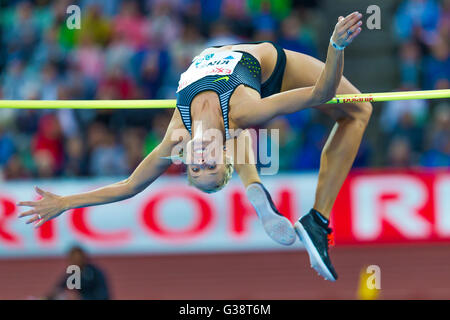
[[316, 236], [277, 226]]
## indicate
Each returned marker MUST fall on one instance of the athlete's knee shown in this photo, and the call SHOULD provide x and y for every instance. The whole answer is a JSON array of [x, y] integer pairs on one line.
[[360, 112], [365, 112]]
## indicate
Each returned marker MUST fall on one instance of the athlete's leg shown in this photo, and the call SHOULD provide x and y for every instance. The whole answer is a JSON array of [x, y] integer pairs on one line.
[[342, 145], [336, 160], [278, 227]]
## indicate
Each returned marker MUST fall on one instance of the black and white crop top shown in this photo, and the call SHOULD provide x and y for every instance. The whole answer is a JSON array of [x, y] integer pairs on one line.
[[221, 72]]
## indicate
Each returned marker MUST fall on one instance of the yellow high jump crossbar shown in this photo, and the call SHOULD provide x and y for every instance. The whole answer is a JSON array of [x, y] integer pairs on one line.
[[170, 103]]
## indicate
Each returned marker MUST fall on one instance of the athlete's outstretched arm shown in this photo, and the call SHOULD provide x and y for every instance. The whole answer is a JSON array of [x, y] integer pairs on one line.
[[52, 205], [297, 99]]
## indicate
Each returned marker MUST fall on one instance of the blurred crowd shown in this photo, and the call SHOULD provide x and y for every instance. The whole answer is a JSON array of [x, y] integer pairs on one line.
[[137, 50], [416, 134]]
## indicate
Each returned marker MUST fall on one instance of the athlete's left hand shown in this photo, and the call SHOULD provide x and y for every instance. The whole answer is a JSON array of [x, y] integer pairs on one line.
[[347, 29], [48, 207]]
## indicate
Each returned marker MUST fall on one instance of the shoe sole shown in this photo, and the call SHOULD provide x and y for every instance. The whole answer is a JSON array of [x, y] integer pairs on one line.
[[314, 256], [277, 227]]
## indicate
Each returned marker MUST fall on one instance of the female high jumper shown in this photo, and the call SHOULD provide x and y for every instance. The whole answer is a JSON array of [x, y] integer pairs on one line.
[[241, 86]]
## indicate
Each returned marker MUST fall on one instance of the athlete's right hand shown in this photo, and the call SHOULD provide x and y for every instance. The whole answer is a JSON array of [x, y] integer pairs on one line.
[[48, 207], [347, 29]]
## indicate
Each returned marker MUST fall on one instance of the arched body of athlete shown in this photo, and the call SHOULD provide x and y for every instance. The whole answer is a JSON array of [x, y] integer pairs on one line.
[[266, 82]]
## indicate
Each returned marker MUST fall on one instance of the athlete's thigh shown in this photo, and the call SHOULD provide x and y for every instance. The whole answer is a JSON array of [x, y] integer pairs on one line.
[[303, 71]]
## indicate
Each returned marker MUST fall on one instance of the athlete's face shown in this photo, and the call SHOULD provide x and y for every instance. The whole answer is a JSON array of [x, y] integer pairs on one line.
[[207, 176], [206, 163]]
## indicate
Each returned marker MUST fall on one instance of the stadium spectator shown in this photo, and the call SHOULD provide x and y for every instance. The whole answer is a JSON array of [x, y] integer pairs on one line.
[[410, 62], [437, 66], [7, 148], [290, 36], [93, 282], [399, 153], [393, 111], [48, 147], [438, 139], [131, 24], [108, 157], [418, 19]]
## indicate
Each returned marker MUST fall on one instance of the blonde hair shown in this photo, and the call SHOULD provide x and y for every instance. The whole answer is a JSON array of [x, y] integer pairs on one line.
[[229, 168]]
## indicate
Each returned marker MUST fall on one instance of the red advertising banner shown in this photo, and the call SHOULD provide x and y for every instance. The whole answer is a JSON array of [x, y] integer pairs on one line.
[[393, 207], [373, 207]]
